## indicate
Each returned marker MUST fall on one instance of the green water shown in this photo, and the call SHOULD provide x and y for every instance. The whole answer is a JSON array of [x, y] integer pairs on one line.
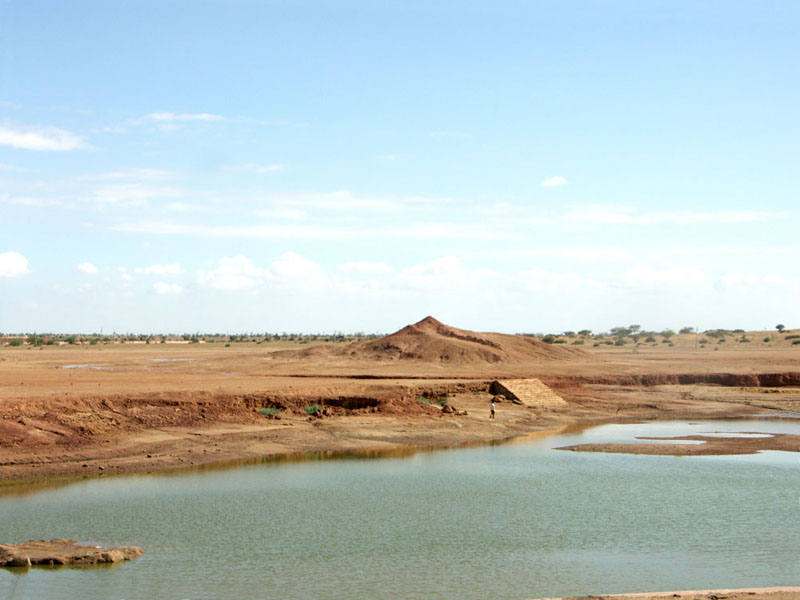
[[510, 521]]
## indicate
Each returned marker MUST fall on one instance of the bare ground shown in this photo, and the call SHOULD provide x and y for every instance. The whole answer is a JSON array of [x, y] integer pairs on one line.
[[81, 410]]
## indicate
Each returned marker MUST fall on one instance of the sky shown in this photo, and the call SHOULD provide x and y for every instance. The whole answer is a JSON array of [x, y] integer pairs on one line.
[[352, 165]]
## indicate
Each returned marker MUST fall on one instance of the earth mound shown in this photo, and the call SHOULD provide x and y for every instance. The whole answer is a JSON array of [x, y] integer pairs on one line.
[[431, 341]]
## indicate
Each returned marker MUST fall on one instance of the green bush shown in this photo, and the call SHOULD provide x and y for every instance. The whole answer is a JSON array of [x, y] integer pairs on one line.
[[50, 342], [795, 342], [270, 411], [578, 343], [15, 342], [792, 337], [549, 339], [312, 409], [620, 342], [767, 339], [560, 342]]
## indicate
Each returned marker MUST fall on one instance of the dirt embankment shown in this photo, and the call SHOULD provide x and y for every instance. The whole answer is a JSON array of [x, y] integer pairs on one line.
[[775, 380]]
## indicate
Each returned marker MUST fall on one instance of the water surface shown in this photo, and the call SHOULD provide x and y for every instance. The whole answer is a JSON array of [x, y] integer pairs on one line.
[[507, 521]]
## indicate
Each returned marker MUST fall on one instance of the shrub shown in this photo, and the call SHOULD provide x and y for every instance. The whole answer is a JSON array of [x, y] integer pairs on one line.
[[721, 340], [704, 341], [270, 411], [649, 339], [312, 409], [685, 330], [578, 343], [792, 337], [795, 342], [620, 342], [50, 343], [15, 342], [560, 342], [549, 339], [767, 339], [93, 341]]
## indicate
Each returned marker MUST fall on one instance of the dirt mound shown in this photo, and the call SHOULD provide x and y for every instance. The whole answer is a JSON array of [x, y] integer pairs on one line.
[[431, 341]]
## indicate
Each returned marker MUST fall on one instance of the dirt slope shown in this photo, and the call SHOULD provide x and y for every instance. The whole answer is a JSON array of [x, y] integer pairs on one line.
[[431, 341]]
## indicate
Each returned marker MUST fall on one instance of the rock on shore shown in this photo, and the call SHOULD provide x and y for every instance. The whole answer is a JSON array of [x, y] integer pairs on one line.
[[62, 552]]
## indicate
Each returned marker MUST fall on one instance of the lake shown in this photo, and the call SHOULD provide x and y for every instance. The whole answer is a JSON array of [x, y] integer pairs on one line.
[[513, 520]]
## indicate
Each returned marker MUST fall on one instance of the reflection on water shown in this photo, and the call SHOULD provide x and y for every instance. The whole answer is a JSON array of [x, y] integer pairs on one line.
[[512, 520]]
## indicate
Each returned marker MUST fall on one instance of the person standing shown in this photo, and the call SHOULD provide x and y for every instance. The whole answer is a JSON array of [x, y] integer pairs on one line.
[[491, 410]]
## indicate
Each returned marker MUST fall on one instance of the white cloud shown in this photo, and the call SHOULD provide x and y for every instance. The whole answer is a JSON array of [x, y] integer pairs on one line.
[[578, 254], [610, 215], [294, 214], [255, 168], [86, 267], [141, 174], [44, 139], [181, 117], [13, 264], [234, 273], [160, 270], [388, 157], [447, 273], [438, 231], [132, 194], [646, 276], [365, 267], [26, 201], [544, 280], [162, 287], [554, 181], [291, 268], [754, 280], [4, 167]]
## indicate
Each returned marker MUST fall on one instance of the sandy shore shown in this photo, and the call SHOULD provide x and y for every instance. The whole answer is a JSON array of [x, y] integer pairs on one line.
[[772, 593]]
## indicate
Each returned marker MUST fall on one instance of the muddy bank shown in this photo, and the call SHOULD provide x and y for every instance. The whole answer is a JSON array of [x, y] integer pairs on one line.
[[710, 446], [61, 552], [773, 593]]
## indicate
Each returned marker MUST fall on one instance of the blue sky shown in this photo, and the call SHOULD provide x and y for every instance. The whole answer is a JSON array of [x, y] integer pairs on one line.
[[356, 166]]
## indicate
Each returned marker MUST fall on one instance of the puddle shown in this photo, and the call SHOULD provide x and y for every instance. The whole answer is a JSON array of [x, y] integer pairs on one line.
[[168, 360]]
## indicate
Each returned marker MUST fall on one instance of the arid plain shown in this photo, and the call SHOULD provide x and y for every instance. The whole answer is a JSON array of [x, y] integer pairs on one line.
[[111, 408]]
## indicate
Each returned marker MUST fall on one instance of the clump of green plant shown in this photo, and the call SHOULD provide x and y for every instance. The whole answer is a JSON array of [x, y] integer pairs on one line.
[[792, 337], [268, 410], [620, 342], [15, 342], [795, 342], [767, 339], [549, 339], [441, 401], [312, 409], [577, 343]]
